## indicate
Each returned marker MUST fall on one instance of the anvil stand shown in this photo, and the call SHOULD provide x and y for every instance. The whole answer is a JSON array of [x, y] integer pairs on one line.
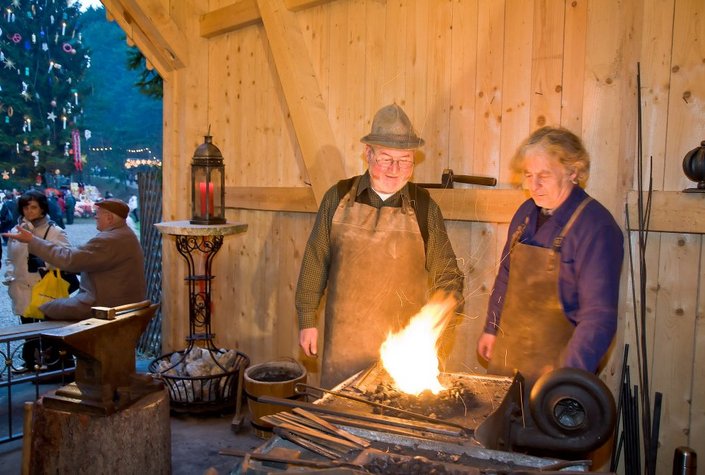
[[199, 244]]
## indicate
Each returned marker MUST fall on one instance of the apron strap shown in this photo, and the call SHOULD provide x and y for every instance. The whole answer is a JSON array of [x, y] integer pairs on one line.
[[558, 240]]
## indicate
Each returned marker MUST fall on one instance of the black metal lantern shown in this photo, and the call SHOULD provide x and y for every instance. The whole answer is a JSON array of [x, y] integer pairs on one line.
[[694, 168], [207, 185]]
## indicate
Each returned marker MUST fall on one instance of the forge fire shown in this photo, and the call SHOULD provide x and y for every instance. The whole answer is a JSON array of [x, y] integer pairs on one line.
[[411, 355]]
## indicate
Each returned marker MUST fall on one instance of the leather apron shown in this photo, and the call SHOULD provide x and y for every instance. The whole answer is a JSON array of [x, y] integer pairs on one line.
[[377, 282], [533, 329]]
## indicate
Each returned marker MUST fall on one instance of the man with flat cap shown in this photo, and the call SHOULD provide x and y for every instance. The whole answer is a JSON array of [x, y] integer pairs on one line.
[[379, 245], [111, 264]]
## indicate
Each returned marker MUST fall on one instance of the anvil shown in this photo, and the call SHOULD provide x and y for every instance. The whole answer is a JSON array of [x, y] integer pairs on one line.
[[105, 378]]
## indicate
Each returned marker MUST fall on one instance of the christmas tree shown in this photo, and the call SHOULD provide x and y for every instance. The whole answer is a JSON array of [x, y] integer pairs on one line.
[[42, 65]]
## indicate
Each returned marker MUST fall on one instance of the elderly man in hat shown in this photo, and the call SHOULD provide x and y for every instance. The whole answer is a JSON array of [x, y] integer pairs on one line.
[[379, 245], [111, 264]]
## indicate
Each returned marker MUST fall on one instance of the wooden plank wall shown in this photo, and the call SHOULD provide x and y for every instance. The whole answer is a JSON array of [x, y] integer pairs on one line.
[[673, 90], [476, 76]]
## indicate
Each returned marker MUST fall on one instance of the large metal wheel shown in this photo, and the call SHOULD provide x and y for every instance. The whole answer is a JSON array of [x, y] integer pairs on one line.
[[573, 403]]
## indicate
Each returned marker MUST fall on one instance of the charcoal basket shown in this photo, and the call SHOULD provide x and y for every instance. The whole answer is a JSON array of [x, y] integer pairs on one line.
[[203, 394]]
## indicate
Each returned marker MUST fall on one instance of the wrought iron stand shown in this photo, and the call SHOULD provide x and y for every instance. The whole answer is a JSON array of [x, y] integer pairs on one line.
[[199, 244]]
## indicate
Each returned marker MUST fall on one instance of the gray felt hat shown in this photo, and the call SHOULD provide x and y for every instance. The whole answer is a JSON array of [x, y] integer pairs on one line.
[[392, 128]]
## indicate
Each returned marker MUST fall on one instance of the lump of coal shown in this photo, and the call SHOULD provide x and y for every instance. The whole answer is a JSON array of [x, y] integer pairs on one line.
[[452, 402], [412, 466]]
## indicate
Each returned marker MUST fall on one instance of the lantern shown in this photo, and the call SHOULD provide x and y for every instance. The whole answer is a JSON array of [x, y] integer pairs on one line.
[[207, 185], [694, 168]]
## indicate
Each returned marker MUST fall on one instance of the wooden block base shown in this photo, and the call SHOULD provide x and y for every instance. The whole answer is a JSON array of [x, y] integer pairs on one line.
[[134, 440]]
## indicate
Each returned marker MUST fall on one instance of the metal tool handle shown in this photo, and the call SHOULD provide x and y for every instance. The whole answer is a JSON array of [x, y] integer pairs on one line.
[[448, 178]]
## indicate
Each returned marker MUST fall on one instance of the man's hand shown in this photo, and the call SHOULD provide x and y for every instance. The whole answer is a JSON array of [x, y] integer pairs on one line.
[[308, 340], [20, 234], [485, 345]]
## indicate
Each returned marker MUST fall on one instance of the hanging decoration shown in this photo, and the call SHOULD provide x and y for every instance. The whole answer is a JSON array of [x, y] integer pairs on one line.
[[75, 134]]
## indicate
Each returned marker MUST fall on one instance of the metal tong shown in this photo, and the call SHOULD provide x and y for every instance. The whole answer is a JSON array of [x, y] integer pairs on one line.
[[303, 388]]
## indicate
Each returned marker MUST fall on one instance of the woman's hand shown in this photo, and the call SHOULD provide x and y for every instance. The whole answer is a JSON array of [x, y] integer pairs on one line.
[[485, 345]]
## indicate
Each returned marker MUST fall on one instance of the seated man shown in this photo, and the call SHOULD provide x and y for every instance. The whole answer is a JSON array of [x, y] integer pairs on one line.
[[111, 264]]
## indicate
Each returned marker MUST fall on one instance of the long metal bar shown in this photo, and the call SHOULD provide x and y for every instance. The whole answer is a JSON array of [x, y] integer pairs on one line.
[[415, 415], [357, 415], [287, 460]]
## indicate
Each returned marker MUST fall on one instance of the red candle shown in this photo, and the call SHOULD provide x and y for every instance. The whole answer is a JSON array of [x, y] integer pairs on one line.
[[206, 210]]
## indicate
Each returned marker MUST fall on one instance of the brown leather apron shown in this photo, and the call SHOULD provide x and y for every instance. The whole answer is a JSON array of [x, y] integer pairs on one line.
[[533, 329], [377, 282]]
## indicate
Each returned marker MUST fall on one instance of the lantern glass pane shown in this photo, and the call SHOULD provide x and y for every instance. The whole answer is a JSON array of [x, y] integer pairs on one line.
[[216, 179], [198, 186]]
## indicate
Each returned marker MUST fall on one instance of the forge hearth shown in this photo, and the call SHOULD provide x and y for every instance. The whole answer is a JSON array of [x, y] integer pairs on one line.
[[481, 421], [468, 401], [451, 402]]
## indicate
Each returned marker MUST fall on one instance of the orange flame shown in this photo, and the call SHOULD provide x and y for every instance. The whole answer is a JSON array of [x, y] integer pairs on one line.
[[410, 356]]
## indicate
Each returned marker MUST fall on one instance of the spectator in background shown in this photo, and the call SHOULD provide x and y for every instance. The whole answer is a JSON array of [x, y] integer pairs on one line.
[[55, 212], [70, 202], [134, 208], [8, 214]]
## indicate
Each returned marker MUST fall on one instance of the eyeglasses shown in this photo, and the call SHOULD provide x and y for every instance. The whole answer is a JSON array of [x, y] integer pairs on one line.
[[388, 162]]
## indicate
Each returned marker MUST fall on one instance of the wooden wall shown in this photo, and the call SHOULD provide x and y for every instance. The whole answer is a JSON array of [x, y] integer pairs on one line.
[[289, 86]]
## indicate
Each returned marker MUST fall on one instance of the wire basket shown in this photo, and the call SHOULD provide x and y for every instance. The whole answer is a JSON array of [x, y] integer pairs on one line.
[[201, 394]]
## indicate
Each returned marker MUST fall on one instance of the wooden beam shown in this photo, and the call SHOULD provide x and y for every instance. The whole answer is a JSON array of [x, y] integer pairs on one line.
[[671, 212], [309, 115], [290, 199], [241, 14], [224, 20], [490, 206], [152, 30], [494, 206]]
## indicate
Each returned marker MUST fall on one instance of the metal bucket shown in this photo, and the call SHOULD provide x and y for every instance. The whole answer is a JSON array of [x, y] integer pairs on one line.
[[274, 378]]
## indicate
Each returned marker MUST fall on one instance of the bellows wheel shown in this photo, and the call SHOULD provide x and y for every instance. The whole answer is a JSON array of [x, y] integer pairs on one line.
[[570, 402]]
